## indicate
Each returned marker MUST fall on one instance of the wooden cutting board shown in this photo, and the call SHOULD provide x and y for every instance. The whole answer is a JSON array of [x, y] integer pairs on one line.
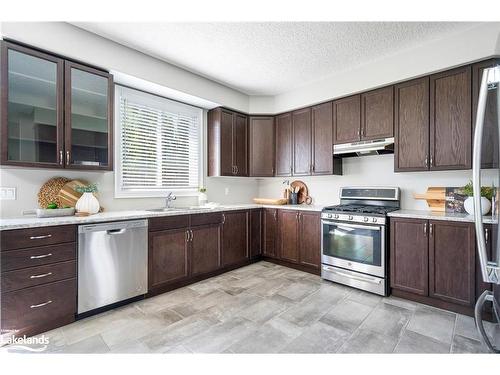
[[435, 197], [279, 201], [49, 191], [68, 196]]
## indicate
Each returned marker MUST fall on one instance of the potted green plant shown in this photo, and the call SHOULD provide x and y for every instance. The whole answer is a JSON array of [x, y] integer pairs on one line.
[[486, 195], [88, 203]]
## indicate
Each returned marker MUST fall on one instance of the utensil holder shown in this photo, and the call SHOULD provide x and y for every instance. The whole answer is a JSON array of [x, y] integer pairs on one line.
[[294, 198]]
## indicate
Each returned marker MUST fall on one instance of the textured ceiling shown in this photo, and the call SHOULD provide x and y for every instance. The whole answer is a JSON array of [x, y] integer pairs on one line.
[[273, 57]]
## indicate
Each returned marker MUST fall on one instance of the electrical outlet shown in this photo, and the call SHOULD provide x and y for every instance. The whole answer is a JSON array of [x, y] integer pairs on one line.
[[7, 193], [226, 191]]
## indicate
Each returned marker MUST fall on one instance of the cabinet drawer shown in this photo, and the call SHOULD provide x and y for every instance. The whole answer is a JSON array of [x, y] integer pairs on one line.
[[22, 238], [204, 219], [28, 277], [37, 256], [32, 307], [169, 222]]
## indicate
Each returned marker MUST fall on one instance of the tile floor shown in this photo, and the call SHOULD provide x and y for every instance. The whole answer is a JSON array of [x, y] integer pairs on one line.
[[266, 308]]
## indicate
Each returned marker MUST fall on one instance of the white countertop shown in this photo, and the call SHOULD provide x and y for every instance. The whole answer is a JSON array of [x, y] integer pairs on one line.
[[422, 214], [33, 222]]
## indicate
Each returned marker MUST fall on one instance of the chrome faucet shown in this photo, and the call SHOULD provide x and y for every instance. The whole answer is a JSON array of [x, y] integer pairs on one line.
[[170, 197]]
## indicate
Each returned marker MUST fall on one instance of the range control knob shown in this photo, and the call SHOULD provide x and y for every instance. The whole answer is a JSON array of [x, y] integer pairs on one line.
[[329, 216], [365, 219], [336, 216], [350, 217], [374, 220]]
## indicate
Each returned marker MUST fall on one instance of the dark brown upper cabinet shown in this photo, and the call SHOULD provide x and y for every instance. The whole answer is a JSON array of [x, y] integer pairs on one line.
[[88, 117], [52, 119], [411, 117], [451, 120], [227, 143], [489, 149], [283, 144], [301, 125], [261, 148], [347, 119], [322, 139], [377, 114]]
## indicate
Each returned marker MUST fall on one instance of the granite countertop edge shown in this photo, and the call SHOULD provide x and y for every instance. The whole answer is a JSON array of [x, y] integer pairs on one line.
[[445, 216], [34, 222]]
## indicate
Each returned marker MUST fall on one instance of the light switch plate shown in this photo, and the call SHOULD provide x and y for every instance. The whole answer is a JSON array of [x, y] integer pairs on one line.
[[7, 193]]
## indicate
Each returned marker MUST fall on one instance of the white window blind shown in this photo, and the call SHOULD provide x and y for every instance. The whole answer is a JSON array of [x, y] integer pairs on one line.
[[159, 144]]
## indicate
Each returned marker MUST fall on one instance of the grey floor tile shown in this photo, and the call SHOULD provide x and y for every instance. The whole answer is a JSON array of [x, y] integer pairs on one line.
[[366, 341], [412, 342], [466, 326], [319, 338], [347, 315], [91, 345], [462, 344], [265, 309], [399, 302], [131, 347], [387, 319], [297, 291], [269, 287], [215, 298], [265, 339], [365, 298], [434, 323]]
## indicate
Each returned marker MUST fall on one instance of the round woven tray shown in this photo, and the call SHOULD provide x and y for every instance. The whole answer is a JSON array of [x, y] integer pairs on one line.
[[49, 191]]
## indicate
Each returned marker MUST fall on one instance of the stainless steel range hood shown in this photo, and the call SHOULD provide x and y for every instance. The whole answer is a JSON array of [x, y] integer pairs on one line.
[[364, 148]]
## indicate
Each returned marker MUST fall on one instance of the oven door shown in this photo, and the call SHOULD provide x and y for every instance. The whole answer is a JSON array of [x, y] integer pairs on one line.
[[356, 247]]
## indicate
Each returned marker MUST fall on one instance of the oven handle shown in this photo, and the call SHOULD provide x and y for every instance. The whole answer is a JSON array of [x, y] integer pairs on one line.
[[367, 279], [350, 225]]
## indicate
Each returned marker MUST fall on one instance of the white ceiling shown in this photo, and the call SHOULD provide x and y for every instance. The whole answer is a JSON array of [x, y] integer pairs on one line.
[[274, 57]]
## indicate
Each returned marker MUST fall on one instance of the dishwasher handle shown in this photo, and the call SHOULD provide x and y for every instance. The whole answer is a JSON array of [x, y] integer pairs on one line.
[[114, 232]]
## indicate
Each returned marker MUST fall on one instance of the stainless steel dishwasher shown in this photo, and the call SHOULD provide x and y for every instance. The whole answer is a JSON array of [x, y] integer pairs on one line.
[[112, 263]]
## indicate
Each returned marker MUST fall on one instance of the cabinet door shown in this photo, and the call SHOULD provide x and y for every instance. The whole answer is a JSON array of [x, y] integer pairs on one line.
[[240, 153], [489, 150], [88, 117], [310, 239], [347, 119], [451, 120], [32, 107], [234, 237], [411, 116], [205, 249], [270, 234], [451, 262], [226, 143], [168, 257], [255, 232], [288, 235], [377, 114], [322, 139], [284, 145], [301, 121], [409, 255], [261, 155]]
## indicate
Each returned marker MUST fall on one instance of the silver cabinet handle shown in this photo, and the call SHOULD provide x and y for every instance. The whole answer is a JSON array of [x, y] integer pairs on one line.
[[223, 218], [61, 158], [425, 229], [40, 237], [113, 232], [192, 234], [237, 170], [187, 235], [486, 235], [431, 161], [41, 256], [40, 305], [67, 158], [426, 161], [42, 275], [430, 229], [275, 214]]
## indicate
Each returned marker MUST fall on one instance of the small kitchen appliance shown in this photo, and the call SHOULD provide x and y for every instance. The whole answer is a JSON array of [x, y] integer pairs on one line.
[[354, 238]]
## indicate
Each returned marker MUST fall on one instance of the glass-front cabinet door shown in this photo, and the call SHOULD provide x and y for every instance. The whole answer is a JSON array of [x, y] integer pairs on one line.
[[88, 111], [32, 107]]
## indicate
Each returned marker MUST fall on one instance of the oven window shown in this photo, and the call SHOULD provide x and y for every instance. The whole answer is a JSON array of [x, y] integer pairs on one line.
[[353, 242]]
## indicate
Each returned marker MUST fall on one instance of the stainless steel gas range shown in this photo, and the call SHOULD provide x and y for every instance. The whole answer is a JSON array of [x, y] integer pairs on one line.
[[354, 238]]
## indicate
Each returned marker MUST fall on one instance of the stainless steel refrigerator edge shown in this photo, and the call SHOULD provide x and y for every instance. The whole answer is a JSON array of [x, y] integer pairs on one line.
[[490, 269], [112, 263]]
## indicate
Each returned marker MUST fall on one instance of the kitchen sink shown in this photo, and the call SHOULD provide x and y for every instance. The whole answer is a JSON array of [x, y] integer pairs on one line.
[[174, 209]]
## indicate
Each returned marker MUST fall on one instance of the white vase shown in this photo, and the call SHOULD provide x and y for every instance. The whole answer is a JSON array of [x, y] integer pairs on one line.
[[485, 205], [202, 199], [87, 203]]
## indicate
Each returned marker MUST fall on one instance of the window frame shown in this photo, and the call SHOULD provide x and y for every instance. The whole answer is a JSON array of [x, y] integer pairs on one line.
[[119, 192]]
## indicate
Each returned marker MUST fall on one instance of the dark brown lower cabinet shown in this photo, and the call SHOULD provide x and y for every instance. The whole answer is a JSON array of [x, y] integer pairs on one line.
[[205, 249], [270, 232], [234, 237], [168, 257], [255, 233], [310, 239], [433, 262], [288, 235]]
